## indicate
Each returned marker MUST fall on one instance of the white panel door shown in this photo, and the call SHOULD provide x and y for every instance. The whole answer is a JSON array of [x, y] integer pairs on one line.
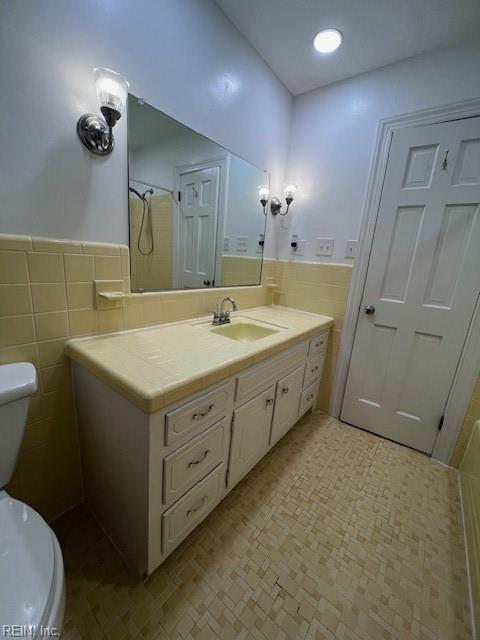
[[422, 284], [250, 434], [197, 228]]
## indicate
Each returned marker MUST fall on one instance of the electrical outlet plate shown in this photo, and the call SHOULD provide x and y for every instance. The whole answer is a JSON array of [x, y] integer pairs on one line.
[[324, 247], [260, 238], [300, 250], [242, 243], [351, 249]]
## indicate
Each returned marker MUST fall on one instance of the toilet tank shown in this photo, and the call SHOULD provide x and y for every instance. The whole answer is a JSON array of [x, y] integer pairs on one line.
[[17, 383]]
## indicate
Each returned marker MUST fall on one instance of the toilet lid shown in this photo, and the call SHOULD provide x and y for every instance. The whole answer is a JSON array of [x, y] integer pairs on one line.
[[27, 563]]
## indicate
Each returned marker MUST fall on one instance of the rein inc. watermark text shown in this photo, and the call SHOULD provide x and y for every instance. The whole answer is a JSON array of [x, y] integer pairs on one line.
[[29, 631]]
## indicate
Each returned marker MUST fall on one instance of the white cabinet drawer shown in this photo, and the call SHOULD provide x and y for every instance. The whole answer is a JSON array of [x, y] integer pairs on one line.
[[267, 373], [195, 416], [318, 344], [187, 465], [183, 517], [313, 369], [250, 434], [289, 390], [308, 398]]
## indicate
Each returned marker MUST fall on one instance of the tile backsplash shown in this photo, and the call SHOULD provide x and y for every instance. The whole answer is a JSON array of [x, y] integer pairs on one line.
[[318, 288], [46, 297]]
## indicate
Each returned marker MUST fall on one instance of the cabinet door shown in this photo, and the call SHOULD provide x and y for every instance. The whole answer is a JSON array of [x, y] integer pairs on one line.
[[288, 394], [250, 434]]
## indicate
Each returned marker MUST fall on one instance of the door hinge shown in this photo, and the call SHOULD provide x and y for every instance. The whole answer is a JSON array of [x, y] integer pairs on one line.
[[179, 196], [440, 423]]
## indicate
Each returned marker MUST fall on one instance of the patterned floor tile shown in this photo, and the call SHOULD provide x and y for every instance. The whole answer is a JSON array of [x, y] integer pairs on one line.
[[336, 534]]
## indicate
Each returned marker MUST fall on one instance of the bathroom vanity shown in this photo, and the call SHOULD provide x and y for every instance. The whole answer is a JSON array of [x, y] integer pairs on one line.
[[172, 417]]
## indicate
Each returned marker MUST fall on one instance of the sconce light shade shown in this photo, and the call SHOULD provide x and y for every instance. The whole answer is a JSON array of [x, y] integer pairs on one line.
[[289, 190], [112, 91], [263, 193]]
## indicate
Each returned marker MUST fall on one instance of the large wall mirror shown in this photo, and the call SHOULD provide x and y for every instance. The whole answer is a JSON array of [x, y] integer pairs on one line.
[[195, 217]]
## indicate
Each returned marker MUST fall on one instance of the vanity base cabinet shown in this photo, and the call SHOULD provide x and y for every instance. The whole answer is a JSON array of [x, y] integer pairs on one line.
[[250, 438], [150, 479], [289, 390]]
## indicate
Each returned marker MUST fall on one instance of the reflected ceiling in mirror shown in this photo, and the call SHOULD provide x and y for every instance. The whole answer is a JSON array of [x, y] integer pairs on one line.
[[195, 218]]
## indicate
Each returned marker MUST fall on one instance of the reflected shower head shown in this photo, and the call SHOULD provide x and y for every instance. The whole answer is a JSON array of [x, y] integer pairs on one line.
[[135, 192]]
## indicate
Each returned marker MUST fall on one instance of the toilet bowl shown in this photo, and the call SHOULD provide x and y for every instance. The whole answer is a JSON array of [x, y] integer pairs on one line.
[[32, 584]]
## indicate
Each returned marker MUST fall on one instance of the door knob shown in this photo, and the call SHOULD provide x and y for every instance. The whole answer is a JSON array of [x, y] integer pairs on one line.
[[369, 310]]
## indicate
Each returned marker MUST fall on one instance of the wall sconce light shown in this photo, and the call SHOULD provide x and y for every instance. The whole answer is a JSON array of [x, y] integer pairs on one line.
[[289, 192], [263, 195], [95, 132]]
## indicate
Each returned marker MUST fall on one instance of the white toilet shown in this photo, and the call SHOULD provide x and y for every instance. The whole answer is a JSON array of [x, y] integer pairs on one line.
[[32, 583]]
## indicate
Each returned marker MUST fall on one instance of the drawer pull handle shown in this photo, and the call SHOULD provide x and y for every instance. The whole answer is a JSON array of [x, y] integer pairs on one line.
[[285, 390], [314, 369], [319, 344], [198, 507], [198, 416], [194, 462], [269, 402]]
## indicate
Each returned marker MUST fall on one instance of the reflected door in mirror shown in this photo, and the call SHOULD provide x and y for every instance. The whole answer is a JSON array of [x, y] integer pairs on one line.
[[197, 224]]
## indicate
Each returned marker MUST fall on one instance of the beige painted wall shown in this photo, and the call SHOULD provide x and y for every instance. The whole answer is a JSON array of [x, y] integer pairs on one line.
[[472, 415], [47, 296], [154, 271]]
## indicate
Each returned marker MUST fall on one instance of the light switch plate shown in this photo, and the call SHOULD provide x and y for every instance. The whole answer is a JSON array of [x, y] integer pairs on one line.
[[324, 247], [351, 249], [242, 243], [226, 244]]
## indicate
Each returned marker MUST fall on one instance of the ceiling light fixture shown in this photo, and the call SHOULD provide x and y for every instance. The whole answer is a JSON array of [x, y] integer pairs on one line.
[[327, 40]]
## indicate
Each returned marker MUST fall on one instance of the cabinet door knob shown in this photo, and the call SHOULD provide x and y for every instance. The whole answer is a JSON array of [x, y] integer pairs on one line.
[[285, 390], [269, 401]]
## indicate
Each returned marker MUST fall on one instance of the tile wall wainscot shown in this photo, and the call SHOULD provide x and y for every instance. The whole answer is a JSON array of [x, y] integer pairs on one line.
[[238, 270], [319, 288], [47, 296], [472, 415]]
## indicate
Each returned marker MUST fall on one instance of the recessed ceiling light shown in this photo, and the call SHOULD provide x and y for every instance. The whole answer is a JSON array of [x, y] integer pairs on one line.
[[327, 40]]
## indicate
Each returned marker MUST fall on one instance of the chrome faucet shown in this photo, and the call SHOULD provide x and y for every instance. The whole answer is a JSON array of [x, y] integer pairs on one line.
[[223, 317]]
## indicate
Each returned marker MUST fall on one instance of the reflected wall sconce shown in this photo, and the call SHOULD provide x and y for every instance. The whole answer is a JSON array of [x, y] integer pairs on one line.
[[289, 192], [263, 195], [96, 132]]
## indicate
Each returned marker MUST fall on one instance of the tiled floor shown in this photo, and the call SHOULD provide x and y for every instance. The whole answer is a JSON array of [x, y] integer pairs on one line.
[[335, 534]]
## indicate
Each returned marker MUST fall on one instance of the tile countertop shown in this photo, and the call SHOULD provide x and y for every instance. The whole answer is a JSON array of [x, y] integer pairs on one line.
[[157, 366]]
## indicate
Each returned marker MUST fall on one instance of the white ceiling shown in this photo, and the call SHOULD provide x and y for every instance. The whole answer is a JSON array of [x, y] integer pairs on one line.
[[376, 33]]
